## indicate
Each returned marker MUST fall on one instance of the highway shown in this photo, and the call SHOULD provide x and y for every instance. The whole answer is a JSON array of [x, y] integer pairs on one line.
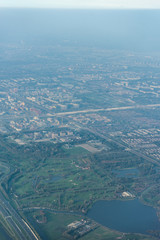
[[61, 114], [13, 222], [104, 110]]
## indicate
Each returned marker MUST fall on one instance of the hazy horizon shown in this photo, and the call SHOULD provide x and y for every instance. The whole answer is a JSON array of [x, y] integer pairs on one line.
[[111, 29]]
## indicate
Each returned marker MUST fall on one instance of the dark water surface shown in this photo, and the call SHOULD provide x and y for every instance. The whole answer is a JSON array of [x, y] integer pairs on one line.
[[125, 216], [129, 173], [53, 179]]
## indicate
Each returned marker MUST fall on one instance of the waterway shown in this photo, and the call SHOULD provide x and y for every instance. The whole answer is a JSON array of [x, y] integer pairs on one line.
[[125, 216]]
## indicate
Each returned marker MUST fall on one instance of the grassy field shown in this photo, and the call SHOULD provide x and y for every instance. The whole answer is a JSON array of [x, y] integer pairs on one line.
[[54, 226], [71, 181]]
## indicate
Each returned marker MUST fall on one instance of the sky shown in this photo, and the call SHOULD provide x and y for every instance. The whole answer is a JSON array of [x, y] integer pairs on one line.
[[83, 4]]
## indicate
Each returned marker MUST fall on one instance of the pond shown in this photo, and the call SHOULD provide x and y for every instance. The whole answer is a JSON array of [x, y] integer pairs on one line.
[[128, 172], [125, 216], [53, 178]]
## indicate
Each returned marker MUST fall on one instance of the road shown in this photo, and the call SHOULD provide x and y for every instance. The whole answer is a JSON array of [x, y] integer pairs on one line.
[[105, 110], [17, 226], [22, 116]]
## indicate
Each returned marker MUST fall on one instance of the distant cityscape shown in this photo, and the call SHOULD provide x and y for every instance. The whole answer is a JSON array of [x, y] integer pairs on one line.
[[73, 98]]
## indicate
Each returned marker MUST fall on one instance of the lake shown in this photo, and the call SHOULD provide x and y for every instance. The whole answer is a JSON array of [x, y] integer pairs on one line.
[[125, 216]]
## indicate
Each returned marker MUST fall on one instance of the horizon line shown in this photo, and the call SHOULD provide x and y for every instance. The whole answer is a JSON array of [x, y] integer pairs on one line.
[[82, 8]]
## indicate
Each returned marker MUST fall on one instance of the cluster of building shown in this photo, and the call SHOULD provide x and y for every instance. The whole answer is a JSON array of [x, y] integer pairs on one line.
[[57, 135], [78, 229], [145, 141], [76, 95]]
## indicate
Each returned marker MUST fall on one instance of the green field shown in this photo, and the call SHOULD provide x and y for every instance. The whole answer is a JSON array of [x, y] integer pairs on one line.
[[68, 182]]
